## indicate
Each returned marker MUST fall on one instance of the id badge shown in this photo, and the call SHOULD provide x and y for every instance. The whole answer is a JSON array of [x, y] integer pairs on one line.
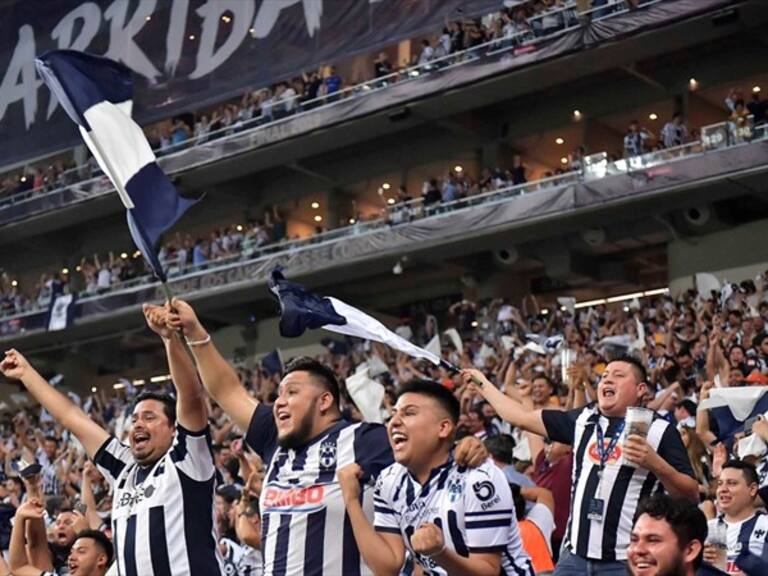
[[596, 509]]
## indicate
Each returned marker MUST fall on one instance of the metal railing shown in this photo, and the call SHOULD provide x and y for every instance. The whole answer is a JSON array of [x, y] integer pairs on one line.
[[595, 166], [92, 183]]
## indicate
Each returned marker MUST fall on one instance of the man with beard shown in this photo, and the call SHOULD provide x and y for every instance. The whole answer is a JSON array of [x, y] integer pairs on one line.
[[668, 539], [163, 510], [304, 440]]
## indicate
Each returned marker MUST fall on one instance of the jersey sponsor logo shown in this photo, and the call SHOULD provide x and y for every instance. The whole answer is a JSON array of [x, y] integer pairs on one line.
[[327, 454], [484, 490], [614, 457], [131, 498], [305, 499]]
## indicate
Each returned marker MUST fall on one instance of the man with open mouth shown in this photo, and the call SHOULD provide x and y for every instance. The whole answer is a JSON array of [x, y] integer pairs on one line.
[[304, 440], [452, 520], [164, 480], [612, 471]]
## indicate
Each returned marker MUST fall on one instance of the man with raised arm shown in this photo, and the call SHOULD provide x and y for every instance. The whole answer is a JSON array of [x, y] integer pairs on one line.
[[304, 440], [611, 473], [163, 482]]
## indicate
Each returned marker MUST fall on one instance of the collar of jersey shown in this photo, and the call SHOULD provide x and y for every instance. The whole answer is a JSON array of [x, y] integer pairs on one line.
[[434, 472]]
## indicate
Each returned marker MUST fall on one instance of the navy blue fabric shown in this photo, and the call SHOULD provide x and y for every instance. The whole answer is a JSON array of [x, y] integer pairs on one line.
[[81, 80], [157, 207], [299, 308], [728, 425]]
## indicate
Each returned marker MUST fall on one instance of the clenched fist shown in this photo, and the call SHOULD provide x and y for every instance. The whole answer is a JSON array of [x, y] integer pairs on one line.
[[428, 540]]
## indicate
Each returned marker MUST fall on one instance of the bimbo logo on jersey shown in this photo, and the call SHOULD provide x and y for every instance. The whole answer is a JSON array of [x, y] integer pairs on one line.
[[299, 499], [613, 458]]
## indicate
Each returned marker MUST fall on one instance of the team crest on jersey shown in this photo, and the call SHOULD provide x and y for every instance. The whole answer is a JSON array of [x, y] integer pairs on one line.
[[327, 454], [455, 489]]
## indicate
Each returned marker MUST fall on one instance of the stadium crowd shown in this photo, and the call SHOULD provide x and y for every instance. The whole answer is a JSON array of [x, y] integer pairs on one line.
[[515, 24], [534, 381]]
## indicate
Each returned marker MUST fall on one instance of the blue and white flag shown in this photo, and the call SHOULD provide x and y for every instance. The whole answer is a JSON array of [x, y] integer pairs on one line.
[[731, 408], [61, 312], [97, 94], [301, 309]]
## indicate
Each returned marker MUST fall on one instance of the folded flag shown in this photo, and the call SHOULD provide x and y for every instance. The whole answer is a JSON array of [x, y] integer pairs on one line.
[[61, 312], [731, 408], [301, 309], [96, 93]]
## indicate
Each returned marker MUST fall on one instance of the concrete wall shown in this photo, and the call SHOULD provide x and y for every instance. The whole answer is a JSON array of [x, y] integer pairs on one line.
[[736, 254]]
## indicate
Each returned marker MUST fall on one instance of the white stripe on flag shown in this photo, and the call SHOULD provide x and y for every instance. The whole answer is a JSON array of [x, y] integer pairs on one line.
[[59, 309], [117, 143], [363, 326], [741, 400]]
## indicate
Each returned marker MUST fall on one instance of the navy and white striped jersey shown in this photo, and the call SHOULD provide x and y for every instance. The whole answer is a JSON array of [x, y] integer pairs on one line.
[[473, 508], [746, 536], [762, 479], [162, 516], [623, 487], [305, 527]]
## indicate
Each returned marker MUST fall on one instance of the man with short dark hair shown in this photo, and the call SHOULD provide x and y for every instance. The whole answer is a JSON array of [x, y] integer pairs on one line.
[[164, 482], [304, 440], [747, 528], [91, 554], [452, 520], [605, 490], [667, 538]]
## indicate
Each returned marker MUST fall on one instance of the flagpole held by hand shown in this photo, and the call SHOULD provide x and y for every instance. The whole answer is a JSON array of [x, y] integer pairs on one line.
[[455, 370]]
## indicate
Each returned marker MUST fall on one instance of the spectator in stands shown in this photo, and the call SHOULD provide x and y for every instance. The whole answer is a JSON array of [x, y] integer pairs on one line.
[[636, 141], [674, 133], [518, 170], [381, 65], [332, 81], [758, 108], [667, 538], [536, 524], [180, 132], [427, 53], [501, 448]]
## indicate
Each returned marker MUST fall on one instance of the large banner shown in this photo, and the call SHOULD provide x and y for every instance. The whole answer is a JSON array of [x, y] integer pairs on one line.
[[187, 53]]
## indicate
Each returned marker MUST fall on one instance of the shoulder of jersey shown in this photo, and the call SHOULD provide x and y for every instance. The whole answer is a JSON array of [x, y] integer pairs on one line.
[[388, 478]]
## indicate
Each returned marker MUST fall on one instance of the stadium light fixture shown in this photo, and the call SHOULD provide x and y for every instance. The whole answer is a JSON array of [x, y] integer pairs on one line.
[[78, 268], [138, 382], [148, 18], [693, 84], [390, 201], [755, 89], [226, 19], [156, 379], [386, 186], [14, 283], [352, 220], [93, 389], [137, 254], [23, 178], [577, 115], [65, 270], [118, 385], [564, 160], [191, 36], [545, 311], [559, 141], [239, 227], [318, 218], [124, 255], [458, 169], [653, 116], [475, 324], [315, 205]]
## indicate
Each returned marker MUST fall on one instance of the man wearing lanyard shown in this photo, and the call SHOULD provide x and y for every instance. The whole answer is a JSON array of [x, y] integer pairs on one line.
[[611, 473]]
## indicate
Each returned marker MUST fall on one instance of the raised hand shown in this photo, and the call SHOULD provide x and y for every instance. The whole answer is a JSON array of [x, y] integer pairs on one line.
[[157, 320], [14, 365], [349, 480]]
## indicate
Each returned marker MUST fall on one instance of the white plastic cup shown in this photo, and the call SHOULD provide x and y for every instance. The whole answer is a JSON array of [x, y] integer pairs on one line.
[[637, 422]]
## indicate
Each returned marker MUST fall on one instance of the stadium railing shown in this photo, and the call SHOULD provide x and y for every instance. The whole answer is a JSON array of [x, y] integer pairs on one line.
[[239, 137], [596, 166]]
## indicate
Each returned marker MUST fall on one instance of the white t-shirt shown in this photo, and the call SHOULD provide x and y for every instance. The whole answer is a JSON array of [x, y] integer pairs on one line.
[[542, 517]]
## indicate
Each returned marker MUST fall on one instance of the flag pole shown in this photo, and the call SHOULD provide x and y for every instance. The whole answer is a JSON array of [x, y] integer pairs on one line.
[[456, 370]]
